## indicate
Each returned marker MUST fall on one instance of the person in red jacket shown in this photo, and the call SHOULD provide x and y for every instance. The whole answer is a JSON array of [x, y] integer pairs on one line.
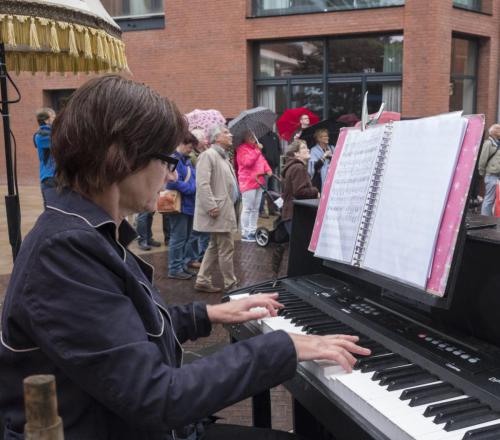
[[250, 162], [296, 181]]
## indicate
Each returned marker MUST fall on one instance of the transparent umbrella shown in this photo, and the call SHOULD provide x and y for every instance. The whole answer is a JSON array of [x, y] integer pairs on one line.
[[50, 36]]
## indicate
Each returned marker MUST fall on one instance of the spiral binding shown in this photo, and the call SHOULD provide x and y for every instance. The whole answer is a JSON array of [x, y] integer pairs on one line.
[[372, 197]]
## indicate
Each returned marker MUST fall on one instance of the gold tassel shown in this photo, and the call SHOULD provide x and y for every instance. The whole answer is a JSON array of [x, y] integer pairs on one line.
[[119, 51], [106, 48], [54, 42], [87, 46], [100, 48], [73, 50], [11, 36], [34, 43], [112, 59]]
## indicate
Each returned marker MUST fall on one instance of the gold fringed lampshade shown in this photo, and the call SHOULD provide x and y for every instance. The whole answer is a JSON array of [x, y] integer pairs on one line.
[[60, 36]]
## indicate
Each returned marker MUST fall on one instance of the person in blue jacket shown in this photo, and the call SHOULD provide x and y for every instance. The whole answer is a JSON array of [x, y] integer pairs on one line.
[[82, 307], [180, 246], [45, 117]]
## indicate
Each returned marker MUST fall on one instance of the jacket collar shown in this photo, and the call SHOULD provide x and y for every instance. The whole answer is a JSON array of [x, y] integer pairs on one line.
[[71, 203], [220, 150]]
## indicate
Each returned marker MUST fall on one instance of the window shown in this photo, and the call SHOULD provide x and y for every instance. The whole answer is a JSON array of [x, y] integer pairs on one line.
[[463, 75], [262, 8], [290, 58], [136, 14], [329, 76], [368, 55], [57, 99], [473, 5]]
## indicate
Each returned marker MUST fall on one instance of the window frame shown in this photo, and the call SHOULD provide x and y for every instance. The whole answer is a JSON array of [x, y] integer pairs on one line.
[[461, 76], [254, 15], [140, 22], [325, 78]]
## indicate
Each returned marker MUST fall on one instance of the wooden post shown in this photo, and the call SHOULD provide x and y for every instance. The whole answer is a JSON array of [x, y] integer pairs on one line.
[[40, 401]]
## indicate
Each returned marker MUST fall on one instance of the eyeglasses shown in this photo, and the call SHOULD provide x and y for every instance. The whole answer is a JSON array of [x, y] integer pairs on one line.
[[169, 160]]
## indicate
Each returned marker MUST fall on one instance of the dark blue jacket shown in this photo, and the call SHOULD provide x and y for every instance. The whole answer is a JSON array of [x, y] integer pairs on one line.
[[187, 189], [42, 142], [82, 307]]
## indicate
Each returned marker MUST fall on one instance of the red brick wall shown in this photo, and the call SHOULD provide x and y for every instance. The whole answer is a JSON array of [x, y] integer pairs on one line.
[[203, 58]]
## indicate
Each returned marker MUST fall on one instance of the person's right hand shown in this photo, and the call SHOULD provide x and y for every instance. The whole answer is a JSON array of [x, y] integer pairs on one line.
[[214, 212], [337, 348]]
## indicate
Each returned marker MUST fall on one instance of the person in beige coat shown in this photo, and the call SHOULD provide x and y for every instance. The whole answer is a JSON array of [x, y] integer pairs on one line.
[[216, 195], [489, 168]]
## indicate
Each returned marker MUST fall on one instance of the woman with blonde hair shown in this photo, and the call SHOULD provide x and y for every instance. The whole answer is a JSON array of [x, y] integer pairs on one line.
[[321, 155]]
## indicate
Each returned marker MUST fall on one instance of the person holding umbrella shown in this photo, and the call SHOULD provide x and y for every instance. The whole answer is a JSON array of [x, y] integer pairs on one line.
[[246, 128], [250, 165], [293, 121]]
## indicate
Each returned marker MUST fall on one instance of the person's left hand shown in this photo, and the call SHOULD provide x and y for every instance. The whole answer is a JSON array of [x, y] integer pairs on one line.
[[239, 311], [269, 173]]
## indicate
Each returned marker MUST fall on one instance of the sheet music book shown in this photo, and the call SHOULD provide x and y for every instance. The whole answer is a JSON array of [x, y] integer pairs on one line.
[[388, 191]]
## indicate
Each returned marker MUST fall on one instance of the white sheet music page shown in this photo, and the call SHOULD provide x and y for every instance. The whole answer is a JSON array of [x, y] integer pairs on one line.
[[348, 194], [420, 165]]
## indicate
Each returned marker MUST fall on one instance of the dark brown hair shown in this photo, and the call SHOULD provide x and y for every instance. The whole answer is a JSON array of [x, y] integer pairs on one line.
[[110, 128], [42, 114], [190, 138]]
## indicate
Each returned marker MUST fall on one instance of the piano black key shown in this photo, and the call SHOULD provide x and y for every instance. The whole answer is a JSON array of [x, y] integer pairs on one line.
[[290, 312], [412, 380], [436, 408], [430, 393], [491, 432], [269, 289], [378, 350], [389, 373], [306, 314], [446, 416], [285, 300], [326, 329], [466, 420], [321, 321], [369, 364]]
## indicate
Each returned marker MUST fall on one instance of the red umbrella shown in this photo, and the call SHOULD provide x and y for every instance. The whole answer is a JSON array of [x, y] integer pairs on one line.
[[289, 122]]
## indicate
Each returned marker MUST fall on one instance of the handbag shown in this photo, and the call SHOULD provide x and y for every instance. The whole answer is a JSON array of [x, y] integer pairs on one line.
[[170, 200]]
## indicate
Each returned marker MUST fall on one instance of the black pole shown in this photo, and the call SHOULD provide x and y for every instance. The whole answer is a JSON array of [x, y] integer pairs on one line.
[[12, 206]]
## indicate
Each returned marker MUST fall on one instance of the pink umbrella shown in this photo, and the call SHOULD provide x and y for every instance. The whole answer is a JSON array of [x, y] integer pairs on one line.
[[205, 119]]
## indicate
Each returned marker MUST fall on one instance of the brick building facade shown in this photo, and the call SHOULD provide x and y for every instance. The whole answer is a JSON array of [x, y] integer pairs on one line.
[[206, 54]]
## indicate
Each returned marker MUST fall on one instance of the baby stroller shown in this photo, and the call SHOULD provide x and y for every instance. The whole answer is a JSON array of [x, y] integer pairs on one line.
[[278, 233]]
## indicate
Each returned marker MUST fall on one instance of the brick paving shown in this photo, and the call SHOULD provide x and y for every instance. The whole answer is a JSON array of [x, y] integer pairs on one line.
[[252, 265]]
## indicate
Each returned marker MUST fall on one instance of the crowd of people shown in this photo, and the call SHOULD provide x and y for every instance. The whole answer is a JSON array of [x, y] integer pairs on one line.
[[221, 187]]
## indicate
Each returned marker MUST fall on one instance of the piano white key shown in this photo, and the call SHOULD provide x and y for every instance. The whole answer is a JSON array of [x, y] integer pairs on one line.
[[279, 323]]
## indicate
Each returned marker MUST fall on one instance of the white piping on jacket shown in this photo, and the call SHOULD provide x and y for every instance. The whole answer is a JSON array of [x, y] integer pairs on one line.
[[15, 350]]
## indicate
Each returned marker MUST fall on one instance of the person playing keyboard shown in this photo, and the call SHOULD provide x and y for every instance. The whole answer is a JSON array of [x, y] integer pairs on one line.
[[82, 307]]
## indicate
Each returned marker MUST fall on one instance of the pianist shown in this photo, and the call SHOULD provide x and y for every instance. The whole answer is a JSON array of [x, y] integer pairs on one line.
[[82, 307]]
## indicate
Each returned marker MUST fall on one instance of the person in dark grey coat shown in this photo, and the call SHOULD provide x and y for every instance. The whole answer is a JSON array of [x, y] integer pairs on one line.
[[82, 307]]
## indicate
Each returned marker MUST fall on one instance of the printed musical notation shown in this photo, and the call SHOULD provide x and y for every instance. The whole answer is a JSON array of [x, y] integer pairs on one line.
[[348, 194]]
